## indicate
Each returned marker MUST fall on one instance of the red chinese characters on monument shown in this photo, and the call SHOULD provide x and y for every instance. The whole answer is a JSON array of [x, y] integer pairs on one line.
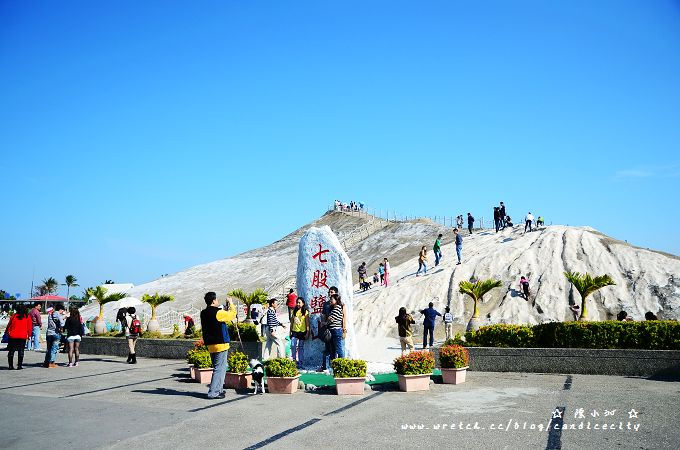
[[316, 304], [319, 281]]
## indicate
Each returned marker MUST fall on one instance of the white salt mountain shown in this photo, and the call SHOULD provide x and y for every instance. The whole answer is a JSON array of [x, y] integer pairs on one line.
[[645, 280], [322, 263]]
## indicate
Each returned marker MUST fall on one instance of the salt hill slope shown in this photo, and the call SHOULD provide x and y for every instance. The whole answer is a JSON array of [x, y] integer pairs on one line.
[[645, 280]]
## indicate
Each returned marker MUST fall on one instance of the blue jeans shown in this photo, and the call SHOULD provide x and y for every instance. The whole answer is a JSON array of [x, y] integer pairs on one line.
[[420, 266], [219, 362], [428, 329], [52, 348], [33, 342], [459, 249], [437, 257], [338, 343], [297, 349]]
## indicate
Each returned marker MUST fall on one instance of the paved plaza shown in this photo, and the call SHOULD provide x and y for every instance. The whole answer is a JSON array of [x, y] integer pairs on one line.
[[107, 403]]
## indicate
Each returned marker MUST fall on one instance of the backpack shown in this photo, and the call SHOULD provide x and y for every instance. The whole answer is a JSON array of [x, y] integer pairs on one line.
[[135, 327]]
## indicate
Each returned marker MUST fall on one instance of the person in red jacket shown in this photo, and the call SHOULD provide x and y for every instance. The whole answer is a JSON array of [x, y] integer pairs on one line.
[[291, 302], [19, 328]]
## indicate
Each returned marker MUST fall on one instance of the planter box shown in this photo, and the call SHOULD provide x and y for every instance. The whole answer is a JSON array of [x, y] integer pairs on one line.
[[238, 380], [412, 383], [203, 376], [454, 376], [350, 386], [282, 385]]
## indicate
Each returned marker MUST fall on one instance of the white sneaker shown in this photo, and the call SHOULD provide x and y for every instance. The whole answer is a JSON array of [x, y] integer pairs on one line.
[[69, 365], [76, 364]]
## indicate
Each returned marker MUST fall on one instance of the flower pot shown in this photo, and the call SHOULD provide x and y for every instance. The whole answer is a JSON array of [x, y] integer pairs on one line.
[[238, 380], [100, 326], [350, 386], [153, 325], [282, 385], [454, 376], [203, 376], [411, 383]]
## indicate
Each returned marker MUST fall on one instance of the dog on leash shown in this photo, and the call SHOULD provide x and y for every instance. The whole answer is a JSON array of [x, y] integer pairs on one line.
[[258, 375]]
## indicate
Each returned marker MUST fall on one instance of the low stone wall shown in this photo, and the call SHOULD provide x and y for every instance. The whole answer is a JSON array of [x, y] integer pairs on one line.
[[626, 362], [156, 348]]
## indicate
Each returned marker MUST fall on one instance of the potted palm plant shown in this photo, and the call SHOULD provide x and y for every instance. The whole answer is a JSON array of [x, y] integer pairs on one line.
[[258, 296], [155, 301], [414, 370], [585, 284], [282, 376], [454, 360], [477, 290], [350, 375], [100, 295], [201, 364], [237, 376]]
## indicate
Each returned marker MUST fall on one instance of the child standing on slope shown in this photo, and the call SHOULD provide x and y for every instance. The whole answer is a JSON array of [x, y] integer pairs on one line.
[[448, 323]]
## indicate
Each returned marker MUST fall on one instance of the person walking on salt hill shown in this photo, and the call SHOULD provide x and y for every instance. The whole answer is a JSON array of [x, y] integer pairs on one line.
[[437, 249], [387, 271], [501, 212], [528, 220], [496, 218], [540, 222], [274, 343], [448, 323], [299, 331], [404, 321], [428, 324], [216, 337], [291, 302], [362, 273], [459, 244], [459, 222], [422, 261], [381, 272], [471, 222], [524, 287]]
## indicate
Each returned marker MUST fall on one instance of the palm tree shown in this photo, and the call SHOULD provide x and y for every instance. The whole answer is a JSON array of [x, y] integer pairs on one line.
[[586, 285], [51, 285], [100, 295], [154, 301], [477, 290], [70, 282], [258, 296]]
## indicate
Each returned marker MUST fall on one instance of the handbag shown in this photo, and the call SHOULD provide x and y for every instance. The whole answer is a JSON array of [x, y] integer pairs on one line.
[[5, 337]]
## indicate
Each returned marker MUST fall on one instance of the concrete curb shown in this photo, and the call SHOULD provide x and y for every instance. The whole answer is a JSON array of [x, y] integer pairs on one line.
[[621, 362], [156, 348]]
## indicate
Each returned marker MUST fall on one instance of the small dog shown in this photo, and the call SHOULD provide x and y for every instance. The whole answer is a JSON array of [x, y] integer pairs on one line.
[[258, 375]]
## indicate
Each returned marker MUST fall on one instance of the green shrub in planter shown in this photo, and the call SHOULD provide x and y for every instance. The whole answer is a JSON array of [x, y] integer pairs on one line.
[[348, 368], [238, 362], [453, 357], [248, 332], [152, 335], [415, 363], [280, 367], [199, 358], [457, 340]]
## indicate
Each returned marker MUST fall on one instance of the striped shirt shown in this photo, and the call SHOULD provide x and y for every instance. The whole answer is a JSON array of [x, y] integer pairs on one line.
[[335, 318], [272, 320]]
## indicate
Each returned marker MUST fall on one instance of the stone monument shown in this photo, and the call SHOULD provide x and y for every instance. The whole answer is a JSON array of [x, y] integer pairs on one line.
[[322, 263]]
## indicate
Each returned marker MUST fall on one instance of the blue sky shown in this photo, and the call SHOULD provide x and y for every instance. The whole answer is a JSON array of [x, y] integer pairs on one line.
[[141, 138]]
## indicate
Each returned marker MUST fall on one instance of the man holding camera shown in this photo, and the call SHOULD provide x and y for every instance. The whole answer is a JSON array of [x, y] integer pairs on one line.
[[216, 337]]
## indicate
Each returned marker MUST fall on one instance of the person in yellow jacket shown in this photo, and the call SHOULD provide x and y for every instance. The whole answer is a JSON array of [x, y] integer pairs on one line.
[[216, 337], [422, 261]]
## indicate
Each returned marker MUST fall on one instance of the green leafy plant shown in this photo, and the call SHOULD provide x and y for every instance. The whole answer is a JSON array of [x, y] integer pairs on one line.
[[280, 367], [585, 284], [175, 332], [258, 296], [70, 281], [248, 332], [155, 301], [415, 363], [238, 362], [102, 297], [477, 290], [199, 358], [348, 368], [456, 340], [155, 335], [453, 357]]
